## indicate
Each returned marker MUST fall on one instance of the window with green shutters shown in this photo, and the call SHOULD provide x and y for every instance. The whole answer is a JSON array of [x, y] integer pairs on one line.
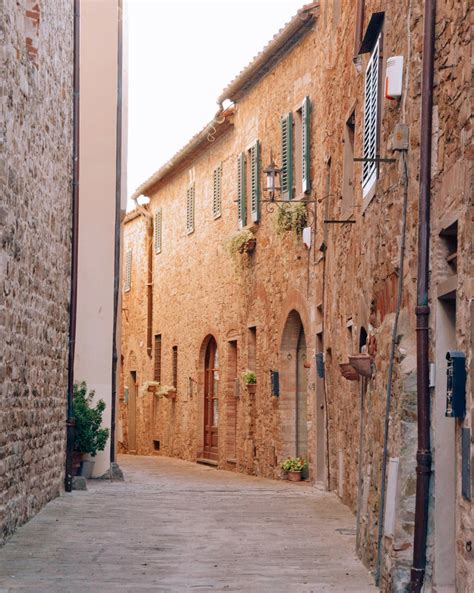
[[157, 230], [190, 207], [286, 174], [241, 190], [306, 145], [217, 192], [254, 160]]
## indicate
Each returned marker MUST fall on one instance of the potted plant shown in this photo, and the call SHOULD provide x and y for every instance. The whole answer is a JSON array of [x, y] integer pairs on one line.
[[250, 380], [348, 371], [294, 466], [292, 217], [243, 241], [362, 364], [89, 437]]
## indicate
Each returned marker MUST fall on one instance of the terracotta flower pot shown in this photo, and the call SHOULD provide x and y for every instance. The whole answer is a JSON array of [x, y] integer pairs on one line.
[[294, 476], [252, 388], [362, 364], [348, 372], [250, 245]]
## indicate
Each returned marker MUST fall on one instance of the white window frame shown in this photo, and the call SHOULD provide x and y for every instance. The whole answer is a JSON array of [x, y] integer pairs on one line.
[[371, 122]]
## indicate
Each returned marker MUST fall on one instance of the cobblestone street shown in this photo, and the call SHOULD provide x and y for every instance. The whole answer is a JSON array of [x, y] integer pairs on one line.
[[176, 526]]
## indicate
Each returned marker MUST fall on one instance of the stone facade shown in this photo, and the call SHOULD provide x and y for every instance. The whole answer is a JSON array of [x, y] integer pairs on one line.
[[279, 306], [35, 179]]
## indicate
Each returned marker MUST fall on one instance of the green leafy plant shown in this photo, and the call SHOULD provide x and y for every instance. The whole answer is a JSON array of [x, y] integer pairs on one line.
[[294, 464], [240, 242], [249, 377], [292, 217], [89, 437]]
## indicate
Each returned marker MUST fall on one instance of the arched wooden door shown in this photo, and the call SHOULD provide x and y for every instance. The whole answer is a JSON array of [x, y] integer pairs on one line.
[[211, 401]]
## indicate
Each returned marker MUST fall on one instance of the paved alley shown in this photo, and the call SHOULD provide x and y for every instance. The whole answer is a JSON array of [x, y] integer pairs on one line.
[[175, 526]]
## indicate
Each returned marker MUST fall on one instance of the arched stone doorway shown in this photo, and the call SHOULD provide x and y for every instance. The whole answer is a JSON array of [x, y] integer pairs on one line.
[[211, 401], [293, 388]]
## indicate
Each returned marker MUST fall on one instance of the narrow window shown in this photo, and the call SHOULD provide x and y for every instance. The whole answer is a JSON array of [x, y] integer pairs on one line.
[[253, 179], [371, 102], [301, 153], [252, 349], [174, 363], [217, 192], [127, 285], [158, 230], [157, 361], [348, 167], [286, 174], [190, 206], [241, 190]]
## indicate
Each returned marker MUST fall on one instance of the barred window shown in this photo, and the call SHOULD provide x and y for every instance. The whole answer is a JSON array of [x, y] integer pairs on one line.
[[217, 192]]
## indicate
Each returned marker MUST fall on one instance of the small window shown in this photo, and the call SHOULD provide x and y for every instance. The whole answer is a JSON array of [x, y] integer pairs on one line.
[[252, 349], [157, 359], [371, 124], [157, 230], [190, 207], [217, 192], [174, 363], [127, 284], [242, 190]]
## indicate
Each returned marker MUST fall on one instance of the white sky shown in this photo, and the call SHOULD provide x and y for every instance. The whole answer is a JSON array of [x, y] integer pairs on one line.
[[182, 54]]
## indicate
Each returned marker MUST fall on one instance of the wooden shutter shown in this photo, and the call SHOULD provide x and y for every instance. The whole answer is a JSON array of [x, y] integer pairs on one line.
[[255, 181], [157, 361], [157, 230], [127, 283], [306, 144], [217, 192], [190, 197], [286, 175], [369, 170], [174, 366], [241, 190]]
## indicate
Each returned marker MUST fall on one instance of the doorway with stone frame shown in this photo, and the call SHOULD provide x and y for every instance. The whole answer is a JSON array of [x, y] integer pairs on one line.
[[211, 401], [293, 390]]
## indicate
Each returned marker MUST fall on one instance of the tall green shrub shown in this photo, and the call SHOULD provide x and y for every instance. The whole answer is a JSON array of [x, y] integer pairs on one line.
[[89, 437]]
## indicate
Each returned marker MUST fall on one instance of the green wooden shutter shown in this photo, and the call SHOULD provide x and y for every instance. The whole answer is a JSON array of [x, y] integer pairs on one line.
[[217, 192], [255, 180], [286, 175], [241, 190], [306, 144], [190, 194], [157, 231]]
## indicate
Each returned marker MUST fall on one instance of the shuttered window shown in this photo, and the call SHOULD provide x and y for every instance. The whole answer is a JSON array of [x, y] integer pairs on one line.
[[190, 199], [217, 192], [255, 181], [174, 363], [127, 281], [241, 190], [286, 174], [306, 144], [157, 230], [371, 101], [157, 361]]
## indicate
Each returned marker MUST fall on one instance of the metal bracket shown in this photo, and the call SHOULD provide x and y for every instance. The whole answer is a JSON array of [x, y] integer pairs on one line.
[[376, 160]]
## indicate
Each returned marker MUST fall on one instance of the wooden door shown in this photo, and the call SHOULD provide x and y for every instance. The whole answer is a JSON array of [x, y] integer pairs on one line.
[[132, 412], [211, 401]]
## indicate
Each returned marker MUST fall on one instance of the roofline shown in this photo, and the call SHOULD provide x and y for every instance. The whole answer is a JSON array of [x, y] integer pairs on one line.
[[221, 123], [283, 42]]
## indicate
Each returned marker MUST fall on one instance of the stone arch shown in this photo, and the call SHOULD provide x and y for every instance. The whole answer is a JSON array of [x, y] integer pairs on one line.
[[293, 387], [210, 335]]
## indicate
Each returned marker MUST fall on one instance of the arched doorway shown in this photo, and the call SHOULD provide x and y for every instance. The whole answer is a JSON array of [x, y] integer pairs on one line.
[[293, 389], [211, 401]]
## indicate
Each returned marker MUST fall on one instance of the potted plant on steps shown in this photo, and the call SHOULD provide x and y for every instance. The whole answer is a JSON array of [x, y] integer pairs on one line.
[[294, 466], [89, 437], [250, 380]]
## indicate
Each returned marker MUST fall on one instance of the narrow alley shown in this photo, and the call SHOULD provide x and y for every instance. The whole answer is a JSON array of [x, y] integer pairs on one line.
[[175, 526]]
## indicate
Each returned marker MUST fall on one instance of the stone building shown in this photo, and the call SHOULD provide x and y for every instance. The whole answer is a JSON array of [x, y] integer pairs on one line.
[[323, 94], [36, 179]]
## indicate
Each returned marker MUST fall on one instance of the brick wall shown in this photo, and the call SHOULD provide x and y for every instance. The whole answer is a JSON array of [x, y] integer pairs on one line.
[[35, 179]]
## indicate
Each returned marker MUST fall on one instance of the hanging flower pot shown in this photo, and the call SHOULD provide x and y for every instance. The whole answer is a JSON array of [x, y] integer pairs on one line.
[[362, 364], [348, 372], [252, 388]]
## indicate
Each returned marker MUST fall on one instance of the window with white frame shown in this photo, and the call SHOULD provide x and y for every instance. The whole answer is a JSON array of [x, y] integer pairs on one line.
[[371, 116]]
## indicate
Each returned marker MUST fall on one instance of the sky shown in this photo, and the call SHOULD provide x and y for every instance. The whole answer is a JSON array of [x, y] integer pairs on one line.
[[181, 55]]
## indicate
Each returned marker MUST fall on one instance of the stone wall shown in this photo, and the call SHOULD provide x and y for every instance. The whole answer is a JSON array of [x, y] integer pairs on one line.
[[342, 291], [35, 179]]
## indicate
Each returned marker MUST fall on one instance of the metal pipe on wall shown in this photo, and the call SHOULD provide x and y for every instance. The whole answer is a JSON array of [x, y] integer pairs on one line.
[[423, 456], [74, 251]]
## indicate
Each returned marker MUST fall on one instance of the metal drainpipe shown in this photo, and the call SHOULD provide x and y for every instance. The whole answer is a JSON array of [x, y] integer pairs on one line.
[[423, 456], [74, 253], [118, 206]]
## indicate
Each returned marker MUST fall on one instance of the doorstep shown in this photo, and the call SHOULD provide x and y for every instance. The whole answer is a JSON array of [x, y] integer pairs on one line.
[[205, 461]]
